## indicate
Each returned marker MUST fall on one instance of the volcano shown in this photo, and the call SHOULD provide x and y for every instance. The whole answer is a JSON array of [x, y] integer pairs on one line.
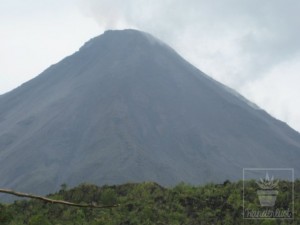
[[127, 108]]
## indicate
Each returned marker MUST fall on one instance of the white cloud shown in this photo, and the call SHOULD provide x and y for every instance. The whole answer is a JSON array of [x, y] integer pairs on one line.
[[36, 34], [251, 46], [278, 92]]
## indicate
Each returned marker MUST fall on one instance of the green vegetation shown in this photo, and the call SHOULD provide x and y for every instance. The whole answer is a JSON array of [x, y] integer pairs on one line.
[[148, 203]]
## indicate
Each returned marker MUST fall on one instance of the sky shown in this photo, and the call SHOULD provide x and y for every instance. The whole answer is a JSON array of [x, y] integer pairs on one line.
[[253, 46]]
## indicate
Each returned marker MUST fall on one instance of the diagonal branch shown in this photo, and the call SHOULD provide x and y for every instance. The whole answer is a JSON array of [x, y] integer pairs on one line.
[[25, 195]]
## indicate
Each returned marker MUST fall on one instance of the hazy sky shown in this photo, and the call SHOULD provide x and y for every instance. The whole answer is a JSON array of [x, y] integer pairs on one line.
[[252, 46]]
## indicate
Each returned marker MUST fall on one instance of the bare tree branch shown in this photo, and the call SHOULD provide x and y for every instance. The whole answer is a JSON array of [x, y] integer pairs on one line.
[[25, 195]]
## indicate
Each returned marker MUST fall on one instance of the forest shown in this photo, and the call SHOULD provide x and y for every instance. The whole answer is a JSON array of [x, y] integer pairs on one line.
[[149, 203]]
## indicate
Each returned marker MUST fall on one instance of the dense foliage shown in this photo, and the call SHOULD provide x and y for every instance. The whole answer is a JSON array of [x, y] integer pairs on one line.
[[145, 203]]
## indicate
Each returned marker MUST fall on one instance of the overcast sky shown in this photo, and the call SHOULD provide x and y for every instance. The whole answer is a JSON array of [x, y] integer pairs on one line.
[[252, 46]]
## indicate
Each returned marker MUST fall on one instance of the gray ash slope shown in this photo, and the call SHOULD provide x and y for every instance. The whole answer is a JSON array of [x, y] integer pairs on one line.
[[128, 108]]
